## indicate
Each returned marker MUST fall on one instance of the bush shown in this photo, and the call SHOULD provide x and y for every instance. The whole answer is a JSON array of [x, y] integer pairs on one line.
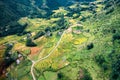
[[54, 29], [39, 34], [8, 49], [84, 75], [109, 10], [101, 62], [90, 46], [62, 76], [99, 59], [115, 75], [30, 43], [116, 36], [47, 29]]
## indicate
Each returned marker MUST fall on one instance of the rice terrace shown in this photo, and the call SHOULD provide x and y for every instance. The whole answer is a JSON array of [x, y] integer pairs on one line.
[[59, 39]]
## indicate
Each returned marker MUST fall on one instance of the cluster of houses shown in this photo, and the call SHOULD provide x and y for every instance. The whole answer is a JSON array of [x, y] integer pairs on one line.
[[19, 58]]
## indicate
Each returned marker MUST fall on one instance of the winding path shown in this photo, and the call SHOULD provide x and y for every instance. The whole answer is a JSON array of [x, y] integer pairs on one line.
[[34, 62]]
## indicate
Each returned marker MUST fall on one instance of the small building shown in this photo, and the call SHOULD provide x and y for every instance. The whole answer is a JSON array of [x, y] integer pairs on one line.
[[29, 35], [10, 53], [10, 44], [17, 61], [19, 55], [7, 57], [60, 33], [48, 34]]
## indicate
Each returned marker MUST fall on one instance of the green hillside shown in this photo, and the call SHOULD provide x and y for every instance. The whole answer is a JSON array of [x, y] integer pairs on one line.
[[12, 11], [60, 40]]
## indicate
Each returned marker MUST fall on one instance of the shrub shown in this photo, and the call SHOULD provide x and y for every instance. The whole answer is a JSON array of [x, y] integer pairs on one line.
[[90, 46], [115, 75], [39, 34], [47, 29], [61, 76], [99, 59], [30, 43], [84, 75], [109, 10], [116, 36], [54, 28], [101, 62]]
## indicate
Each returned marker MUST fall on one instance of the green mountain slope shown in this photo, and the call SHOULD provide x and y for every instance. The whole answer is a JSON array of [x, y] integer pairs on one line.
[[12, 11], [80, 41]]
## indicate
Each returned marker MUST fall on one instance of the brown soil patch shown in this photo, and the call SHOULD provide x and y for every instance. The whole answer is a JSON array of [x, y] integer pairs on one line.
[[35, 50], [2, 47], [69, 30]]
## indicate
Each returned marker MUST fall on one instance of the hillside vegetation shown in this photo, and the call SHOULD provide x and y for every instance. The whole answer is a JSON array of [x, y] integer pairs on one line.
[[70, 40]]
